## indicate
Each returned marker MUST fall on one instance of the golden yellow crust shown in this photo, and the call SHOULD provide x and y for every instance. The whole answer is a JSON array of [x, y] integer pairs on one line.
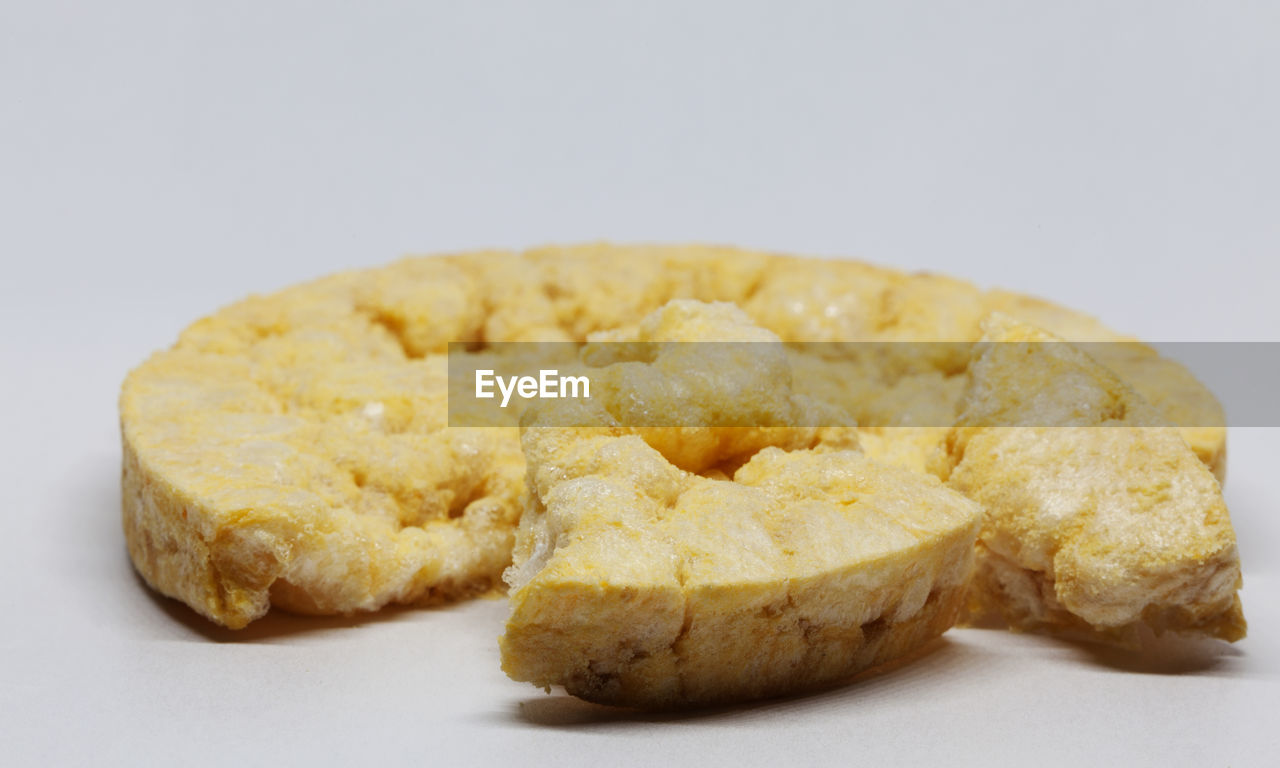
[[293, 450]]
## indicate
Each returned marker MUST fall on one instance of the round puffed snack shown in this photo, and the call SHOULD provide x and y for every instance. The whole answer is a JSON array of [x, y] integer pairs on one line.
[[294, 450]]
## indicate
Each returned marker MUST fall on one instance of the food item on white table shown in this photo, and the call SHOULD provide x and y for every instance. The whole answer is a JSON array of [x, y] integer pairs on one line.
[[294, 450]]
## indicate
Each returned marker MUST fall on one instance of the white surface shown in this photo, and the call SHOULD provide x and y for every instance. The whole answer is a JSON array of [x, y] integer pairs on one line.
[[157, 161]]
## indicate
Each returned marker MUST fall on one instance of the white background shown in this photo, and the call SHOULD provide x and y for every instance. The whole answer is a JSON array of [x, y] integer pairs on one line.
[[160, 160]]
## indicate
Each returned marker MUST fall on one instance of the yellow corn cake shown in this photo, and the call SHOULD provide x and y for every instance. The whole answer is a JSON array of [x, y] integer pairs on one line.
[[295, 450]]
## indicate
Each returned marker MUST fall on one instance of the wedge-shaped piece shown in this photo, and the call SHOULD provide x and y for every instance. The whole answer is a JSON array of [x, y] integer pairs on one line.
[[1097, 518], [637, 582], [652, 587]]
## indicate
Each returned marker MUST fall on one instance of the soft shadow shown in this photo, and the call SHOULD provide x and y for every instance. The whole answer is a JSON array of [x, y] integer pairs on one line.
[[560, 710], [276, 625], [1169, 654]]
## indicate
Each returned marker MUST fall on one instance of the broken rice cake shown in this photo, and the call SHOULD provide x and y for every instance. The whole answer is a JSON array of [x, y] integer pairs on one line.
[[294, 450]]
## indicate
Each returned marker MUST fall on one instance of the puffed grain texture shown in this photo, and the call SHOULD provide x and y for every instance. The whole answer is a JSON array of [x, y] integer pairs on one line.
[[1102, 523], [294, 449], [638, 582]]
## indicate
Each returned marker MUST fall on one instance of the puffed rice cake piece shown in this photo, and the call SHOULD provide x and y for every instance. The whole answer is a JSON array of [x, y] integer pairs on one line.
[[1098, 518], [639, 582]]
